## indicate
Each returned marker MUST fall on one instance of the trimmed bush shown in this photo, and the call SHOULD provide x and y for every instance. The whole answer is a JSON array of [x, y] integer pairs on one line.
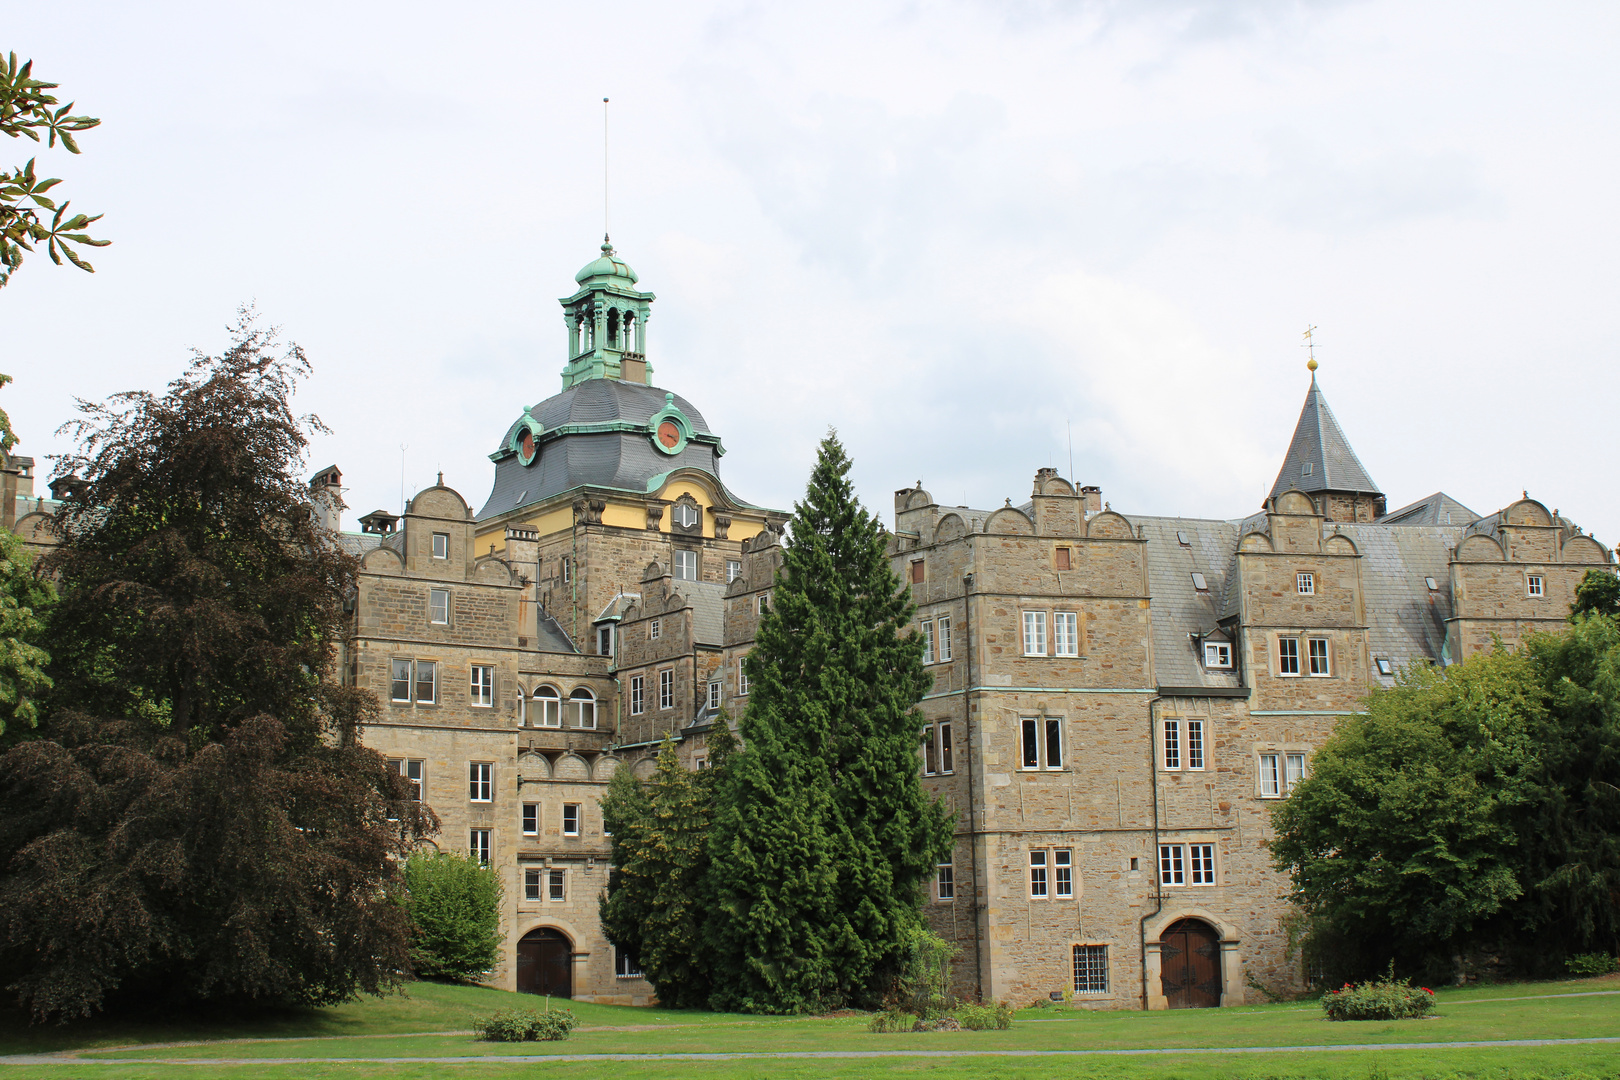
[[1592, 963], [994, 1017], [525, 1025], [1378, 999]]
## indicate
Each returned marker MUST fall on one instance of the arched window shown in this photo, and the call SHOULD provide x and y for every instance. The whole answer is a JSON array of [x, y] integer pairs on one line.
[[547, 707], [582, 708]]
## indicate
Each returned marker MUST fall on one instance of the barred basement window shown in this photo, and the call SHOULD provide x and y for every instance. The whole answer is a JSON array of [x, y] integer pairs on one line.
[[531, 884], [555, 884], [1091, 969], [625, 964]]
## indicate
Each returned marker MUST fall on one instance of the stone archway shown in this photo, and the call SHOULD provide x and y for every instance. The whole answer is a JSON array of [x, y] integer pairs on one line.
[[1190, 965], [545, 963]]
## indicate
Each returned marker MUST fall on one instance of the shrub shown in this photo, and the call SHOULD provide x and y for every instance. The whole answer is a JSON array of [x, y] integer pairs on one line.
[[1592, 963], [993, 1017], [454, 902], [889, 1021], [525, 1025], [1378, 999]]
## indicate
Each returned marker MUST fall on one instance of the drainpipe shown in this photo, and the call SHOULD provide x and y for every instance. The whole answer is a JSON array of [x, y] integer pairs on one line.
[[972, 762], [1153, 849]]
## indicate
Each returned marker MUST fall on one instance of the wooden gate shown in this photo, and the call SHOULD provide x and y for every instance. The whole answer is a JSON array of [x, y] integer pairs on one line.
[[1190, 965], [545, 964]]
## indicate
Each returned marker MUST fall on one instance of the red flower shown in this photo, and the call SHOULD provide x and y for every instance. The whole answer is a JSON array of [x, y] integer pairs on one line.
[[1426, 990]]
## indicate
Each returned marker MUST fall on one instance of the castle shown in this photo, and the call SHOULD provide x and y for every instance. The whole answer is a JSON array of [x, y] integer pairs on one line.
[[1118, 699]]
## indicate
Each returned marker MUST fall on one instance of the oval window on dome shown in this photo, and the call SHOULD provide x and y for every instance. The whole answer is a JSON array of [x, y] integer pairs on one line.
[[669, 434], [526, 447]]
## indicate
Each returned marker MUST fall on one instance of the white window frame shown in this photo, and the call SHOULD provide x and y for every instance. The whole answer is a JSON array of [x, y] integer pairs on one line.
[[481, 689], [638, 695], [686, 564], [1293, 768], [655, 629], [582, 709], [945, 883], [480, 781], [945, 748], [478, 844], [1063, 873], [577, 813], [1271, 776], [1217, 654], [441, 545], [431, 669], [1170, 740], [685, 515], [1172, 868], [764, 603], [1041, 729], [1065, 633], [567, 570], [1034, 633], [927, 626], [550, 699], [411, 770], [604, 640], [395, 666], [714, 696], [531, 884], [625, 965], [439, 607], [1200, 864], [733, 570], [1305, 583], [557, 885], [742, 679], [1535, 585], [666, 689], [1090, 969], [530, 821], [1288, 657], [943, 638], [1195, 744], [1038, 884], [1317, 649]]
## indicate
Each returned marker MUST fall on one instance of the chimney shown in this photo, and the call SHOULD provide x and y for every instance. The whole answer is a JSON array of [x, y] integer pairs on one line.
[[326, 494], [1091, 496]]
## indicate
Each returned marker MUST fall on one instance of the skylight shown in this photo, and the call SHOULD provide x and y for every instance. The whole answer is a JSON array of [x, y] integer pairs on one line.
[[1199, 583], [1182, 537]]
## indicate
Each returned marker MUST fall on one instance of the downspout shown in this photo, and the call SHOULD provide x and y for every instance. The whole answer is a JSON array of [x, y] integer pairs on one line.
[[1153, 849], [972, 761]]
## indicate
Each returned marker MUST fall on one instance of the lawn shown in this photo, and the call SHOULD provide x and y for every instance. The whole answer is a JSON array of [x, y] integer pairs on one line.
[[419, 1024]]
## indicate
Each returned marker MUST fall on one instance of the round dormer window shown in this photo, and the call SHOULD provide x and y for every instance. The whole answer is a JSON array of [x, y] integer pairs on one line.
[[685, 515]]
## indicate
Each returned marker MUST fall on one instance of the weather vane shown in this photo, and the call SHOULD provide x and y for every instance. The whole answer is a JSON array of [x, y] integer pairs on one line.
[[1310, 349]]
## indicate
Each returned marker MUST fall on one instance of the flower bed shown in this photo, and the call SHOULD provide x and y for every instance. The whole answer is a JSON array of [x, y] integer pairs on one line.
[[1379, 999]]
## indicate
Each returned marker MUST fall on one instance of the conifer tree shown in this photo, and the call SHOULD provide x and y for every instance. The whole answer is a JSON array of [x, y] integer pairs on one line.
[[825, 836]]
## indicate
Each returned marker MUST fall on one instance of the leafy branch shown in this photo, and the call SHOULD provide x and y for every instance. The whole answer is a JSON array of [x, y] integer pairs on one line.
[[26, 109]]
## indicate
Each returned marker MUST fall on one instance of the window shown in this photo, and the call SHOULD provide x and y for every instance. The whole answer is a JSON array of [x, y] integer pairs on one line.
[[480, 781], [1034, 633], [478, 844], [531, 884], [427, 682], [1060, 558], [685, 515], [944, 737], [742, 680], [1183, 539], [1063, 873], [733, 570], [625, 964], [1433, 585], [638, 695], [554, 885], [1172, 744], [1384, 666], [918, 570], [441, 545], [1091, 969], [548, 703], [685, 565], [439, 607], [1195, 744], [666, 689], [571, 819], [714, 696], [604, 641], [1536, 588], [1042, 734], [1171, 869], [1318, 648], [1037, 875], [1200, 582], [1287, 656], [699, 762], [937, 750], [1065, 633], [582, 709], [531, 819], [1305, 469], [1280, 772], [764, 603], [567, 569], [928, 640], [945, 882], [1305, 582], [411, 770], [943, 637], [483, 686], [1217, 654], [399, 680], [1201, 860], [655, 629]]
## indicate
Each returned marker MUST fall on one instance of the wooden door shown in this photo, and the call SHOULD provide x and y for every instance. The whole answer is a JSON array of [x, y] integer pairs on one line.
[[1190, 965], [545, 964]]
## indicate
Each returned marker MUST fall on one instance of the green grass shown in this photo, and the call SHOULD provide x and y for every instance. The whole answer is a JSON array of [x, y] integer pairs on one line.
[[413, 1025]]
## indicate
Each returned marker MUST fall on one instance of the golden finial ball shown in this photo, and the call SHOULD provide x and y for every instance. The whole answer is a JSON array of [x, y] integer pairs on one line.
[[1310, 365]]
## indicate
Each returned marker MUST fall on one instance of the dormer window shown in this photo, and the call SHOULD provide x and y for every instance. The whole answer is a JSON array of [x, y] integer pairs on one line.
[[1305, 469], [1217, 654], [685, 515]]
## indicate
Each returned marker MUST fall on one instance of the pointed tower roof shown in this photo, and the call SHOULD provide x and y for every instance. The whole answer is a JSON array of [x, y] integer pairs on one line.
[[1319, 458]]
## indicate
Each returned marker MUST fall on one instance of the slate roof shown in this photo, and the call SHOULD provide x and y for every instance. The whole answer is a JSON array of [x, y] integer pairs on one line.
[[1180, 608], [1436, 509], [622, 459], [550, 636], [357, 544], [1319, 442], [708, 600], [1406, 620]]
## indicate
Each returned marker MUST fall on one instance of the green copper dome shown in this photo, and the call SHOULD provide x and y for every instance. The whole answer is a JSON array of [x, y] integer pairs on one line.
[[608, 266]]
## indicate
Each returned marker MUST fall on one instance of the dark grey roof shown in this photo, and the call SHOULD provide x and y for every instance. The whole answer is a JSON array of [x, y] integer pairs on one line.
[[1406, 620], [1319, 443], [597, 433], [1437, 509], [359, 543], [708, 600], [1181, 611], [550, 636]]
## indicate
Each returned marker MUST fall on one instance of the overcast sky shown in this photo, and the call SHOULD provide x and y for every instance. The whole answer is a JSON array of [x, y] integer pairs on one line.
[[957, 232]]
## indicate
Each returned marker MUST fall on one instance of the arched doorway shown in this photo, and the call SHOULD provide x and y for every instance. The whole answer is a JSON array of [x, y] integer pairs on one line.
[[1190, 965], [545, 963]]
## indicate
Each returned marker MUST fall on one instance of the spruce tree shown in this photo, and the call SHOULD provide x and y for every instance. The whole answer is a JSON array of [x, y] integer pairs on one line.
[[825, 836]]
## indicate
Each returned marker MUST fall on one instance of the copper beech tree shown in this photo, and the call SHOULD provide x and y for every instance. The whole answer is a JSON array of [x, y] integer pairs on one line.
[[195, 818]]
